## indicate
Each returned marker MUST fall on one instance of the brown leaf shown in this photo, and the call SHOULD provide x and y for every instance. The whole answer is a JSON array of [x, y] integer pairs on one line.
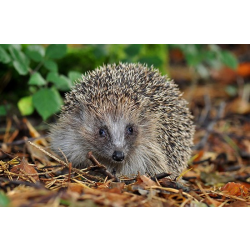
[[75, 187], [116, 187], [239, 204], [236, 189], [239, 106], [25, 168], [147, 181]]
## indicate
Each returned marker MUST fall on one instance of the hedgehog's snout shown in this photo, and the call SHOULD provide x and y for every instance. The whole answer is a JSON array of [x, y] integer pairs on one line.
[[118, 156]]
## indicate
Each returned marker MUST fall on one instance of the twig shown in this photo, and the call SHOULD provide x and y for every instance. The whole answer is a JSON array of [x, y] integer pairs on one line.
[[101, 168], [19, 142], [5, 181], [93, 159], [205, 193], [159, 176], [50, 155], [202, 161], [176, 191]]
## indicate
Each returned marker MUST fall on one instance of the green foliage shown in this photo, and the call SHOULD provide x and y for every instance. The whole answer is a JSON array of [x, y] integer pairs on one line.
[[43, 73], [74, 76], [36, 79], [20, 60], [2, 110], [39, 64], [51, 65], [4, 200], [47, 101], [202, 57], [56, 51], [35, 52], [228, 59], [61, 82], [25, 105], [4, 57]]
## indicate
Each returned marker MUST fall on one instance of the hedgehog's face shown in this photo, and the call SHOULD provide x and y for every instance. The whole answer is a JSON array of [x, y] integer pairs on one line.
[[115, 138], [114, 135]]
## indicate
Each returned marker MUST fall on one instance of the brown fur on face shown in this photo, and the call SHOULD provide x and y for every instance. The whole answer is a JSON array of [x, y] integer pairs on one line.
[[115, 98]]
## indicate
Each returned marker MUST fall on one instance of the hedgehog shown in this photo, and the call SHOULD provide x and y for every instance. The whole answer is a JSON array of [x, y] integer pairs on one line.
[[132, 118]]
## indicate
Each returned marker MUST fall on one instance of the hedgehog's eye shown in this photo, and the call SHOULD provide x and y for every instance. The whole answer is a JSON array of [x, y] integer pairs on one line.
[[102, 132], [130, 130]]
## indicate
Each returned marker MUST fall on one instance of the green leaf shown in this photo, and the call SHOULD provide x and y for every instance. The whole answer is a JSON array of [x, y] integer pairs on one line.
[[4, 200], [35, 52], [5, 46], [61, 82], [20, 68], [133, 49], [16, 46], [56, 51], [47, 102], [4, 57], [21, 62], [229, 59], [50, 65], [36, 79], [25, 105], [3, 110], [74, 76]]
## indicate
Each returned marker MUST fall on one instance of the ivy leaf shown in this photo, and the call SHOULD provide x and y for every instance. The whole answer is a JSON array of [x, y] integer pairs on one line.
[[25, 105], [56, 51], [4, 57], [51, 65], [47, 102], [35, 52], [36, 79], [74, 76], [21, 62], [61, 82]]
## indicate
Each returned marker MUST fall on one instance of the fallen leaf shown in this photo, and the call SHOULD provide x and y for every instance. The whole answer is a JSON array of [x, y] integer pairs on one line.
[[236, 189], [75, 187], [147, 181], [239, 204], [26, 169]]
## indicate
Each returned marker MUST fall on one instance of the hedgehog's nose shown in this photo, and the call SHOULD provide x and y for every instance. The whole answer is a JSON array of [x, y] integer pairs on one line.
[[118, 156]]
